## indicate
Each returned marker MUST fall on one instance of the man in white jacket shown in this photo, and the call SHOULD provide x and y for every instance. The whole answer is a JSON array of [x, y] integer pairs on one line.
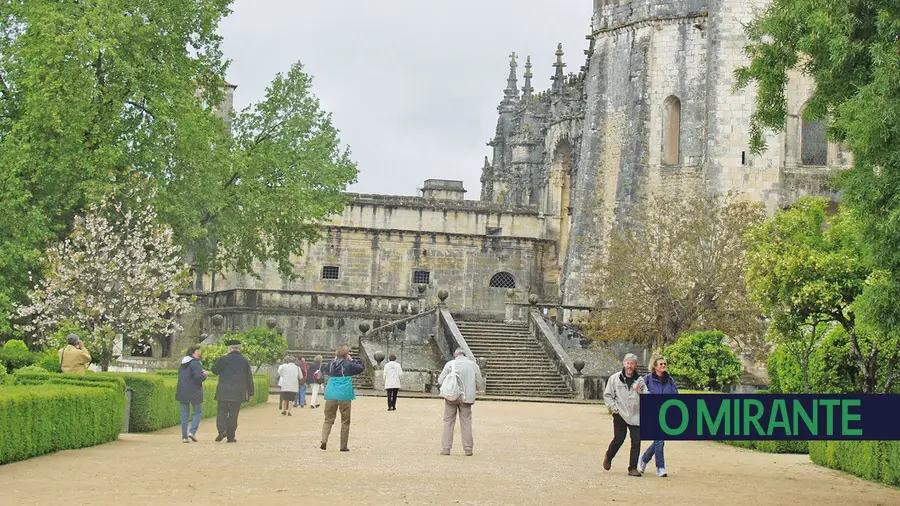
[[623, 399], [393, 373], [471, 381]]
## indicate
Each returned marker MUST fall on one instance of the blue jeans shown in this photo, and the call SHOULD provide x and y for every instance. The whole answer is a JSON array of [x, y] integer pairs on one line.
[[301, 396], [186, 413], [655, 449]]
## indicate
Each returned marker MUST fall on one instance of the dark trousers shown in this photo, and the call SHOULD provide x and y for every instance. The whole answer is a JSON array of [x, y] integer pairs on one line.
[[392, 397], [227, 418], [620, 427]]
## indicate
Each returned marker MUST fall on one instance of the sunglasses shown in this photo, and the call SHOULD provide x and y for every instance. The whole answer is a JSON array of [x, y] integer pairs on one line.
[[661, 363]]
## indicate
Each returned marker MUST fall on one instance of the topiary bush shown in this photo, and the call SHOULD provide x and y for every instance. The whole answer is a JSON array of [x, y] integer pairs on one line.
[[5, 378], [49, 418], [49, 360], [15, 355], [704, 361]]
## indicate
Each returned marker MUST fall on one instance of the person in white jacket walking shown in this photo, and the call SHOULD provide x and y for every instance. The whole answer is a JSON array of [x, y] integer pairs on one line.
[[393, 373], [623, 399], [289, 379]]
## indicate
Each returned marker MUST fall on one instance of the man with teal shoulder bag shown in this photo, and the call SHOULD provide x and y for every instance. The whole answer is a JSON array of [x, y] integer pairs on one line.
[[339, 393]]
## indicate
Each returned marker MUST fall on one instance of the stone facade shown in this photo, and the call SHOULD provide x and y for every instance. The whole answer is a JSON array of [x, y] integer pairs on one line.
[[651, 110]]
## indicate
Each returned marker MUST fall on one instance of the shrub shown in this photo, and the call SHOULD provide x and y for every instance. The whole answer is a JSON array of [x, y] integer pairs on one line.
[[873, 460], [261, 346], [49, 360], [831, 370], [36, 421], [703, 360], [41, 378], [167, 373], [15, 355], [5, 378], [212, 352]]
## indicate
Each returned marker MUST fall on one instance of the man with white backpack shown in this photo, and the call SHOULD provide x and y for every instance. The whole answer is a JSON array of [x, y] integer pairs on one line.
[[459, 381]]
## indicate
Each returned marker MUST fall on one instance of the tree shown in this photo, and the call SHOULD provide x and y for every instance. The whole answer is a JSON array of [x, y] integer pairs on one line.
[[849, 48], [118, 275], [805, 270], [677, 265], [704, 361], [92, 94], [261, 346]]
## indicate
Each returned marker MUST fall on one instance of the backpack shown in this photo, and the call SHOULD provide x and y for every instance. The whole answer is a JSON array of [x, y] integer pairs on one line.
[[451, 387]]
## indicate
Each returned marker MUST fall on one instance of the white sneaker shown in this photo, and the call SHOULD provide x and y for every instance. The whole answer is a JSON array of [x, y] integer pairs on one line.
[[661, 472], [642, 465]]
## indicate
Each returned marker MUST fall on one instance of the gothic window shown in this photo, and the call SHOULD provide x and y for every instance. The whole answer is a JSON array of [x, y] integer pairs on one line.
[[330, 272], [672, 131], [421, 277], [503, 280], [813, 144]]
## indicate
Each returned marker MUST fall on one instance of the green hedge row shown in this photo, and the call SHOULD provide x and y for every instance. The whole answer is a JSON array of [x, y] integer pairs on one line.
[[877, 461], [153, 404], [36, 421], [801, 447]]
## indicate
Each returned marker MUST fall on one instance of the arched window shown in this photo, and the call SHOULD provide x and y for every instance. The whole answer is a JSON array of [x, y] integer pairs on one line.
[[503, 280], [813, 144], [672, 131]]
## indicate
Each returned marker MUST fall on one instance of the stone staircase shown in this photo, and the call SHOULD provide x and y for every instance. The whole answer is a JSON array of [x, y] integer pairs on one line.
[[360, 382], [517, 365]]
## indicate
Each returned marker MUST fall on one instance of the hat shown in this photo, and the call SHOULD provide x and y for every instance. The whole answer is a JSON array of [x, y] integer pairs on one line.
[[232, 342]]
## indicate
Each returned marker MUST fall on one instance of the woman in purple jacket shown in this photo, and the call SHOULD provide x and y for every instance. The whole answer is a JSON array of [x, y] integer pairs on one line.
[[658, 382]]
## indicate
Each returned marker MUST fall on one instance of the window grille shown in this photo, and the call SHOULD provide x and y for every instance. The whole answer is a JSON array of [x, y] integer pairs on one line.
[[813, 144], [421, 277], [330, 272], [503, 280]]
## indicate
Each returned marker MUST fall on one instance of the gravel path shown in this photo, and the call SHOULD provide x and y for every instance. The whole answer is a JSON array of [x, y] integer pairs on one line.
[[525, 453]]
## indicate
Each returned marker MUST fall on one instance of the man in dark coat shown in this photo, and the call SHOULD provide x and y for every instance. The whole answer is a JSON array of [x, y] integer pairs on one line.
[[235, 387], [190, 392]]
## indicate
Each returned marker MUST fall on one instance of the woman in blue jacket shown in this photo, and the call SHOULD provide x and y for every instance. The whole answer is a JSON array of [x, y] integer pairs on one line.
[[658, 382], [339, 393], [189, 392]]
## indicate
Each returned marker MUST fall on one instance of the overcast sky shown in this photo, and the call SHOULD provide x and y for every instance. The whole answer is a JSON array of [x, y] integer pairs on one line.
[[413, 85]]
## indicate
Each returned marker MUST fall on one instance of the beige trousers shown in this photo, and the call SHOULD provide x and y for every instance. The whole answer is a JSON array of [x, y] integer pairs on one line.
[[331, 409], [465, 424]]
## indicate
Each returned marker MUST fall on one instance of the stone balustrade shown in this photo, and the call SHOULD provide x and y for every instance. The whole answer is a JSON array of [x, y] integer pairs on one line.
[[288, 300]]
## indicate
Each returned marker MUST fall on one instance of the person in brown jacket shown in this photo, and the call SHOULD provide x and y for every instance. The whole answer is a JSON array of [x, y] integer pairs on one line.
[[74, 359]]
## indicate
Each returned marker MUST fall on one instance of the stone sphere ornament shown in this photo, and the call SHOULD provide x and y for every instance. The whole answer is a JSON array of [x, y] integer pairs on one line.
[[364, 327], [379, 357], [443, 294], [510, 293], [533, 299], [271, 322], [422, 287], [579, 365], [218, 320]]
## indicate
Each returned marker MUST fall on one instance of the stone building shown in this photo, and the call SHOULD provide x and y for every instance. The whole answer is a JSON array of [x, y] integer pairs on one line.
[[651, 109]]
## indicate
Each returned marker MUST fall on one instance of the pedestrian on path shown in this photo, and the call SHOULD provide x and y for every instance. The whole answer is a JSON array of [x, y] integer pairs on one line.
[[470, 380], [289, 377], [393, 373], [339, 395], [235, 387], [189, 392], [658, 382], [304, 379], [623, 397], [317, 377]]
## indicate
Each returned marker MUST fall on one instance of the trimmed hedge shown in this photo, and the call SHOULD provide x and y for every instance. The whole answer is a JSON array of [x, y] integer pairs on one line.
[[36, 421], [29, 378], [153, 404], [801, 447], [877, 461]]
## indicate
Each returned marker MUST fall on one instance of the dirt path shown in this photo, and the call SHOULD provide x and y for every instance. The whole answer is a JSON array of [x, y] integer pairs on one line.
[[525, 453]]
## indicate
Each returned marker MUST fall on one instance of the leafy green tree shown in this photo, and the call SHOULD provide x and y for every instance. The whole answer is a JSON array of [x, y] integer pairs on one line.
[[849, 49], [805, 270], [677, 265], [96, 95], [704, 361], [261, 346], [210, 353]]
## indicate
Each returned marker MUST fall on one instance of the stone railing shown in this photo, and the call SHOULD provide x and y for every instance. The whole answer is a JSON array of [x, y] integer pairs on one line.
[[371, 341], [297, 301], [517, 312], [449, 338], [561, 361]]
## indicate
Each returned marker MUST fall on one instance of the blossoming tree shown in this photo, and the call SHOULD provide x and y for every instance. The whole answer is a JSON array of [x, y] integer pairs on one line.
[[117, 276]]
